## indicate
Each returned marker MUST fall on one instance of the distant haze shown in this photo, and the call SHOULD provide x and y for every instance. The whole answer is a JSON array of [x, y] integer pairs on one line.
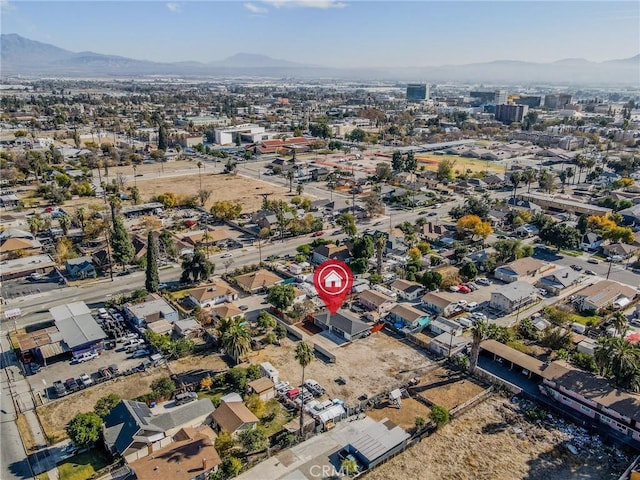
[[22, 56]]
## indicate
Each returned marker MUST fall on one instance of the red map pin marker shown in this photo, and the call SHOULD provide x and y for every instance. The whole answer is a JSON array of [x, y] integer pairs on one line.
[[333, 281]]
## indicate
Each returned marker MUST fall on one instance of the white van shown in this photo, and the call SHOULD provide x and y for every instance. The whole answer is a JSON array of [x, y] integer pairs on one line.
[[578, 328], [470, 307]]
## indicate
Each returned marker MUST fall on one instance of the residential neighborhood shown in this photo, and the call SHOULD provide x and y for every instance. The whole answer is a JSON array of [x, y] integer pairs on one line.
[[159, 237]]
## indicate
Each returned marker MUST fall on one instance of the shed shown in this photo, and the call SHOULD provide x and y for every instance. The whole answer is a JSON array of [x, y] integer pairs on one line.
[[263, 387]]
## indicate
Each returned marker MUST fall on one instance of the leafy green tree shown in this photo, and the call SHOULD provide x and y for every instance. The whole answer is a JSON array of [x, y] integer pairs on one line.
[[431, 280], [266, 321], [253, 440], [445, 170], [348, 466], [121, 244], [224, 443], [380, 244], [196, 267], [321, 130], [359, 265], [152, 280], [236, 339], [383, 171], [236, 378], [163, 138], [363, 247], [84, 429], [397, 162], [440, 415], [105, 404], [469, 271], [561, 235], [357, 135], [348, 223], [281, 296], [163, 387], [410, 163], [231, 467], [167, 244], [304, 357]]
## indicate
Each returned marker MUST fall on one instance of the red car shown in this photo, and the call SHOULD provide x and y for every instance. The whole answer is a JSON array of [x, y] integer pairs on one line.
[[317, 234], [464, 289]]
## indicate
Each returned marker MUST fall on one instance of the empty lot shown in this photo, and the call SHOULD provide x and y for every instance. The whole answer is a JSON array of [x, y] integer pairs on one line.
[[494, 441], [370, 365]]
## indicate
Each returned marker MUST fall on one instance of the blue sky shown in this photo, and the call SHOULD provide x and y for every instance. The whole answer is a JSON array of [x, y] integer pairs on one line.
[[334, 32]]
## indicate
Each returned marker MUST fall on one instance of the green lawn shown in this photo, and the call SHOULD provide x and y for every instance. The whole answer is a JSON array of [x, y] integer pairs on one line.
[[83, 466], [214, 394], [280, 417], [572, 253], [592, 320]]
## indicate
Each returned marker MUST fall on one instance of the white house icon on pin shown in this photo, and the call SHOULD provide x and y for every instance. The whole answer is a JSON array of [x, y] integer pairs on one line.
[[333, 280]]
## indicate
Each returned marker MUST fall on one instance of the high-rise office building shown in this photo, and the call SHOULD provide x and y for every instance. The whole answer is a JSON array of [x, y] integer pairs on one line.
[[500, 97], [557, 101], [417, 92], [496, 97], [508, 113]]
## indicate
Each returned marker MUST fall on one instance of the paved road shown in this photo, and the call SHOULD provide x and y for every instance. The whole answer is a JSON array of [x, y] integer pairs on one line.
[[13, 457]]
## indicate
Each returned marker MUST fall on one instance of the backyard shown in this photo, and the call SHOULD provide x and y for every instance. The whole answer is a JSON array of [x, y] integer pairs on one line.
[[83, 465]]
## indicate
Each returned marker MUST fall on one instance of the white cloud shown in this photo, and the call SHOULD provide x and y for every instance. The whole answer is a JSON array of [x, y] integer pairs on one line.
[[174, 7], [6, 7], [253, 8], [322, 4]]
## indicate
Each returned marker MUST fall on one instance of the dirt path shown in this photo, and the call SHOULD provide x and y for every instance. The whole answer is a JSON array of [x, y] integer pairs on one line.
[[494, 441]]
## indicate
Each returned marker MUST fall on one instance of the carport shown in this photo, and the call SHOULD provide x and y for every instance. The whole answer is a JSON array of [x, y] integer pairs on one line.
[[44, 344], [531, 367]]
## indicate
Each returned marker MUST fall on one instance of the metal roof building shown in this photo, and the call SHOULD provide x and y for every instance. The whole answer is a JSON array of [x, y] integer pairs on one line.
[[78, 328], [377, 442]]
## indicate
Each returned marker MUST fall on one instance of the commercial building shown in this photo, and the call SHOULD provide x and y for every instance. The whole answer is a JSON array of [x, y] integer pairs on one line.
[[78, 329], [25, 266], [557, 101], [228, 135], [508, 113], [417, 92], [530, 101]]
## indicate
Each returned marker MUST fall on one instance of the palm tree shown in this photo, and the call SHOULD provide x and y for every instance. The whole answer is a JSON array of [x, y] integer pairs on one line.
[[236, 339], [479, 332], [65, 223], [620, 323], [620, 360], [290, 176], [200, 174], [304, 356], [529, 175], [380, 242], [515, 179], [81, 217]]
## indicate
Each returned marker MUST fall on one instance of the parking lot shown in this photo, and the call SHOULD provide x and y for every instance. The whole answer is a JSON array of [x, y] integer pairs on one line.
[[22, 287]]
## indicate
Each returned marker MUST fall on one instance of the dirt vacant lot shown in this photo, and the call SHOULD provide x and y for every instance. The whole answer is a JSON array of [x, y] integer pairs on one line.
[[494, 441], [447, 388], [370, 365], [55, 415], [405, 416], [234, 188]]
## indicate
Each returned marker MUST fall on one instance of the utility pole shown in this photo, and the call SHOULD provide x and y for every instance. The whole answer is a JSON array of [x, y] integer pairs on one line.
[[609, 270]]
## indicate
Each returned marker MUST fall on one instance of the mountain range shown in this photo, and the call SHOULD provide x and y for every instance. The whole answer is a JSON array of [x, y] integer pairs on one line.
[[22, 56]]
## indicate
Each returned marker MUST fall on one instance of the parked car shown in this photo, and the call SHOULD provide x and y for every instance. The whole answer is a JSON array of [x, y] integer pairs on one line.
[[227, 255], [133, 344], [85, 357], [86, 380], [186, 397], [593, 260], [105, 372], [71, 384], [464, 289], [59, 388], [34, 367], [577, 268], [590, 272], [143, 352], [483, 281], [454, 288], [319, 233], [114, 369], [244, 307]]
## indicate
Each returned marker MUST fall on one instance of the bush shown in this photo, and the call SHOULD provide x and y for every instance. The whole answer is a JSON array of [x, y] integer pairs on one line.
[[253, 440], [440, 415], [163, 387], [584, 361], [224, 442], [105, 404], [236, 378], [84, 429], [420, 422]]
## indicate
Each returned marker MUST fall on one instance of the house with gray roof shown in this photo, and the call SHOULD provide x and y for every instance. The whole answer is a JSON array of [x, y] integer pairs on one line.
[[512, 296], [557, 281], [377, 442], [80, 268], [151, 309], [133, 431], [341, 323]]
